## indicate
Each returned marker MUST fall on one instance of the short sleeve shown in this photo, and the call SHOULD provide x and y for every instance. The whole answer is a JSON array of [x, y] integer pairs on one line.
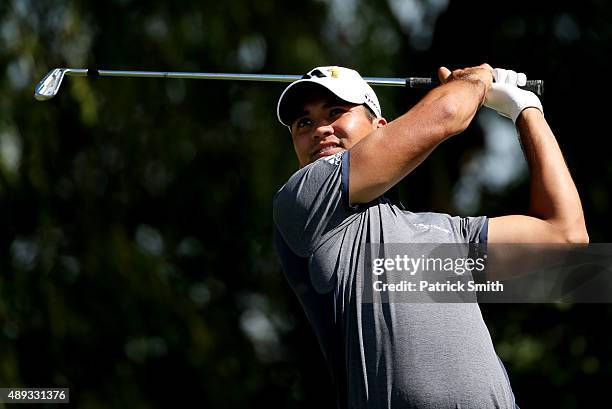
[[471, 229], [310, 203]]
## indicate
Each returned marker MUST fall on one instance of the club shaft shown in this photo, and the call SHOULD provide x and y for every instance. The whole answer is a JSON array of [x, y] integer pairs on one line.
[[83, 72], [49, 86], [536, 86]]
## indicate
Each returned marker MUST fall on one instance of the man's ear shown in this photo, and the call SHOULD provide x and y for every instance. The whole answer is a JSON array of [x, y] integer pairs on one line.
[[380, 122]]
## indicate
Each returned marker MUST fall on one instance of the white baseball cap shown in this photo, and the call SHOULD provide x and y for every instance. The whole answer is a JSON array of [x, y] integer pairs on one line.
[[343, 82]]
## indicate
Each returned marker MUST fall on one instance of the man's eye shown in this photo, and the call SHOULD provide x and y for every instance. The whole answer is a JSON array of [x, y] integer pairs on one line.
[[336, 111], [302, 122]]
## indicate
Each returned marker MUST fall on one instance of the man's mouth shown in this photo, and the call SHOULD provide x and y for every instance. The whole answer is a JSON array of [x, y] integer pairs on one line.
[[327, 151]]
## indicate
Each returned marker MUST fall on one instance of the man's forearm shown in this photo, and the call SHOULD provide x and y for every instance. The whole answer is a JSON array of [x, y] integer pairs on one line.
[[393, 151], [459, 99], [463, 97], [554, 197]]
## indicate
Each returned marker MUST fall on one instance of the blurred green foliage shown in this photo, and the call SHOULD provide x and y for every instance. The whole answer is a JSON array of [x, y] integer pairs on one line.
[[136, 264]]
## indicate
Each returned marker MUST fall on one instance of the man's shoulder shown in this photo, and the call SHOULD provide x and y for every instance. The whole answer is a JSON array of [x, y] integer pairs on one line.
[[311, 193], [303, 207], [313, 173]]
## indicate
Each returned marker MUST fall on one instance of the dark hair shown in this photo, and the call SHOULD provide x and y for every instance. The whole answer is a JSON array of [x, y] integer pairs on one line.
[[370, 114]]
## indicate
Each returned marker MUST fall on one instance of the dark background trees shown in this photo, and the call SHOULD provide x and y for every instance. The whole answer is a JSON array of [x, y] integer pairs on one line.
[[136, 264]]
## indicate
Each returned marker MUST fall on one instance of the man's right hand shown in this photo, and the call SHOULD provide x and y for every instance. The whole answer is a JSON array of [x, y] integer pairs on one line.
[[482, 73]]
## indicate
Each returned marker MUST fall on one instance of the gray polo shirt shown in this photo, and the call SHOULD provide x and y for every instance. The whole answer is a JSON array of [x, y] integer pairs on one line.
[[382, 355]]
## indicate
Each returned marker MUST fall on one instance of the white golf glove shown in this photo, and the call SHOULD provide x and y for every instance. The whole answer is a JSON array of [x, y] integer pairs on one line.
[[507, 98]]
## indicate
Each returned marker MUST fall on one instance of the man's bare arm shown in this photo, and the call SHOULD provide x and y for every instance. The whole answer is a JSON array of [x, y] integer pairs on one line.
[[390, 153], [555, 213]]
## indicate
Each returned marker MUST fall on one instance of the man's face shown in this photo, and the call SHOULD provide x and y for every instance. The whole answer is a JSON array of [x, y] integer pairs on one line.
[[327, 125]]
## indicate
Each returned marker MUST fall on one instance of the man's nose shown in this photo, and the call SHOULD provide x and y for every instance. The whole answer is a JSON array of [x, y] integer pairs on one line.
[[323, 129]]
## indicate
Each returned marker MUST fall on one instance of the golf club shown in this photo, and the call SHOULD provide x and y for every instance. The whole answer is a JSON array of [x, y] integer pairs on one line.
[[49, 86]]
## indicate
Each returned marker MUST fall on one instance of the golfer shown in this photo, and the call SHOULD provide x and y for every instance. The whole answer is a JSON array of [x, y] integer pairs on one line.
[[403, 355]]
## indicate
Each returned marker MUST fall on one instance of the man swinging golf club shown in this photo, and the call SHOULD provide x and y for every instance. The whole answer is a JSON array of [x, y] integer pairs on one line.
[[403, 355]]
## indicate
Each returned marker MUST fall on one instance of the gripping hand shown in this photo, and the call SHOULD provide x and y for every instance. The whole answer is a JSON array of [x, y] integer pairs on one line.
[[507, 98]]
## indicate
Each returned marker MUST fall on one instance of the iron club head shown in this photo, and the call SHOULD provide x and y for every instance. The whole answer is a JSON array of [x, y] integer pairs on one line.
[[49, 86]]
